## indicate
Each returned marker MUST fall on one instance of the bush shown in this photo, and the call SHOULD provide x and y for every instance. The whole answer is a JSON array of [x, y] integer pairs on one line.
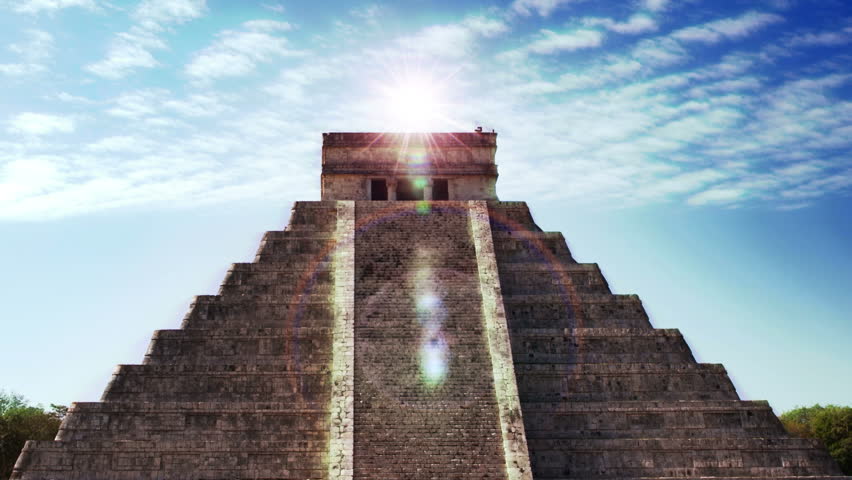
[[830, 424], [20, 422]]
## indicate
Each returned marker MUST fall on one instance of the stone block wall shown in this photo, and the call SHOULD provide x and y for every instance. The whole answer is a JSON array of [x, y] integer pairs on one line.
[[605, 395], [241, 391], [419, 340], [425, 405]]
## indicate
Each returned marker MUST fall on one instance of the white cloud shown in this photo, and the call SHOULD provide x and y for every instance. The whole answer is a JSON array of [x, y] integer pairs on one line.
[[23, 177], [484, 26], [656, 5], [659, 52], [67, 97], [823, 39], [267, 26], [369, 13], [37, 6], [454, 40], [137, 104], [154, 13], [120, 144], [542, 7], [552, 42], [636, 24], [682, 183], [729, 28], [20, 69], [126, 54], [292, 82], [273, 7], [33, 51], [718, 195], [237, 53], [37, 47], [29, 123], [197, 105], [131, 50]]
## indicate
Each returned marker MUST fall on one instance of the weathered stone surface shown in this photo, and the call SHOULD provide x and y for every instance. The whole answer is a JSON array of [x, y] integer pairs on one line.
[[465, 160], [604, 395], [418, 340]]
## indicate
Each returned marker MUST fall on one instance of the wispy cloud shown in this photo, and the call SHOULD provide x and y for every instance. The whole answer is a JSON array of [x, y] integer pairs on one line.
[[29, 123], [131, 50], [548, 42], [452, 40], [153, 14], [128, 52], [718, 195], [822, 39], [32, 52], [38, 6], [628, 119], [541, 7], [656, 5], [636, 24], [238, 52], [728, 28]]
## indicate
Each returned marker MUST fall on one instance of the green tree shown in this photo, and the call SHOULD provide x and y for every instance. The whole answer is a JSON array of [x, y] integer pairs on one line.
[[830, 424], [20, 422]]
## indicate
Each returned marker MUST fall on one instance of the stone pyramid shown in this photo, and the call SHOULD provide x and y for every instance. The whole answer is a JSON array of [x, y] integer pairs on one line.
[[412, 326]]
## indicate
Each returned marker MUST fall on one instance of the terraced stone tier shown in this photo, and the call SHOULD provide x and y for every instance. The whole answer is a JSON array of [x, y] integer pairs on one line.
[[604, 395], [414, 340], [242, 391]]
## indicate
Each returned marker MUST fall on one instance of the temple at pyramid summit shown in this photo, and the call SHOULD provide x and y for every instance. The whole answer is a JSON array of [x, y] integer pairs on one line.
[[410, 325]]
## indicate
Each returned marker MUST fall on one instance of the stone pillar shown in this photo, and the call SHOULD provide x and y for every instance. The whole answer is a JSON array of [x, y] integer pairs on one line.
[[515, 449], [391, 189], [427, 190], [342, 422]]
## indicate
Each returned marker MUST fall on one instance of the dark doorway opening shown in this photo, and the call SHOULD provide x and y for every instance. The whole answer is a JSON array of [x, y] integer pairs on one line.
[[378, 189], [407, 189], [440, 189]]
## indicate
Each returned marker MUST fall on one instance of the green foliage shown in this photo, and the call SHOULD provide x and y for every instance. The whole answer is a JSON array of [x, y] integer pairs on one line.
[[830, 424], [20, 422]]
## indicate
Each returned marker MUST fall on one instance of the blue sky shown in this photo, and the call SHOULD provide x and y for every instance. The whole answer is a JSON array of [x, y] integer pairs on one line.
[[699, 151]]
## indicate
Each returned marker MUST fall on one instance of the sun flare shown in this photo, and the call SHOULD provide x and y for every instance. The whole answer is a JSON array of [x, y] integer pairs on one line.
[[414, 105]]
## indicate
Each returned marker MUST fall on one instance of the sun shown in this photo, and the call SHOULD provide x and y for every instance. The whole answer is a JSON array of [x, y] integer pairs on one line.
[[414, 104]]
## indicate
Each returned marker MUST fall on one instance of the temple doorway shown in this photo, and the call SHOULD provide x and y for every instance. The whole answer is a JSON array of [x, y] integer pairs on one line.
[[407, 189]]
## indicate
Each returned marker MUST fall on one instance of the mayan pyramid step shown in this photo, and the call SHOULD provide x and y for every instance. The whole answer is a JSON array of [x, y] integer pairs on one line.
[[412, 326]]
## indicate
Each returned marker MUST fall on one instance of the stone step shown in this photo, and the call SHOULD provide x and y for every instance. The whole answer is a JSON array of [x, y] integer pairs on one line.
[[256, 300], [212, 311], [598, 345], [581, 357], [684, 457], [241, 345], [301, 261], [304, 232], [602, 382], [283, 290], [296, 246], [274, 274], [651, 419], [535, 247], [575, 311], [511, 217], [303, 331], [139, 460], [298, 424], [216, 382], [548, 278]]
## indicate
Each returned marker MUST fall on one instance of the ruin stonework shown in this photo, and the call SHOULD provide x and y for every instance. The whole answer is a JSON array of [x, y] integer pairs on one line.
[[423, 339]]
